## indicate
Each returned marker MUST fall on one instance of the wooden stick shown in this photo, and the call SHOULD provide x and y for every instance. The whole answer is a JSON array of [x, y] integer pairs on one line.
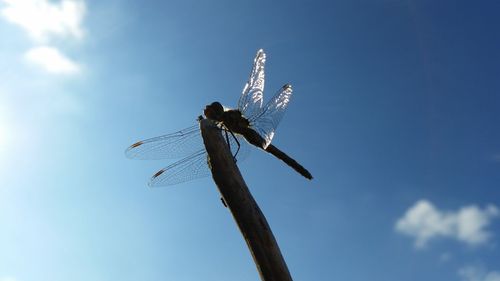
[[245, 211]]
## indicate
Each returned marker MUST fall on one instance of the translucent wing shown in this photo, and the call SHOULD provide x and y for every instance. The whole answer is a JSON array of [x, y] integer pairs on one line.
[[189, 168], [194, 166], [251, 99], [267, 120], [175, 145]]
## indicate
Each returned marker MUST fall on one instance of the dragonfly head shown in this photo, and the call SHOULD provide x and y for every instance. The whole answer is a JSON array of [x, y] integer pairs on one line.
[[214, 111]]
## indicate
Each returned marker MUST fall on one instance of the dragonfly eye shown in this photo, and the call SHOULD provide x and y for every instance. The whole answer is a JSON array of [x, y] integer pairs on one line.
[[218, 108], [214, 111]]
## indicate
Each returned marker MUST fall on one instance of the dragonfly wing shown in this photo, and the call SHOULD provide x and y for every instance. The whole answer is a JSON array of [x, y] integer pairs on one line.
[[267, 120], [175, 145], [192, 167], [251, 99]]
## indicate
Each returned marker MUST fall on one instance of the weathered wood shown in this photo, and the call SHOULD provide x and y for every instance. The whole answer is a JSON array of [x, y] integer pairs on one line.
[[246, 212]]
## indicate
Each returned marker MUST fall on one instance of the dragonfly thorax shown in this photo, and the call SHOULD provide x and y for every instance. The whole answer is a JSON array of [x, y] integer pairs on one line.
[[232, 119]]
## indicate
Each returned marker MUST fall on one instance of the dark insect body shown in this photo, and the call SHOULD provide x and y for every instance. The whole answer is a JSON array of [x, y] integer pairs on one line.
[[252, 121]]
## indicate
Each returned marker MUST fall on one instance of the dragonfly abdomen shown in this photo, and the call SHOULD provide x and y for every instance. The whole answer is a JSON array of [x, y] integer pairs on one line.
[[289, 161], [254, 138]]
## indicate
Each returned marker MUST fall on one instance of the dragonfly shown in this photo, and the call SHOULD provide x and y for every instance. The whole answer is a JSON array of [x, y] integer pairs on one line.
[[252, 121]]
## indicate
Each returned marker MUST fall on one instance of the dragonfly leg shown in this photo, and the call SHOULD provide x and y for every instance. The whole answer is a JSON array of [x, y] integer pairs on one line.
[[227, 138], [237, 143], [229, 144]]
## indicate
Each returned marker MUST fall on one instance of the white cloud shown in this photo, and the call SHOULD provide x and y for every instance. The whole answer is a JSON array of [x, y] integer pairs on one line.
[[52, 60], [7, 278], [424, 222], [44, 18], [473, 273]]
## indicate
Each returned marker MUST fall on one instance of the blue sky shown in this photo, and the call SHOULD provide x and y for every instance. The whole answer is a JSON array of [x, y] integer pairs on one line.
[[395, 112]]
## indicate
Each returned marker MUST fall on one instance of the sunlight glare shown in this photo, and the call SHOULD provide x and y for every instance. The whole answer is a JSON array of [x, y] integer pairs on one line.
[[4, 132]]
